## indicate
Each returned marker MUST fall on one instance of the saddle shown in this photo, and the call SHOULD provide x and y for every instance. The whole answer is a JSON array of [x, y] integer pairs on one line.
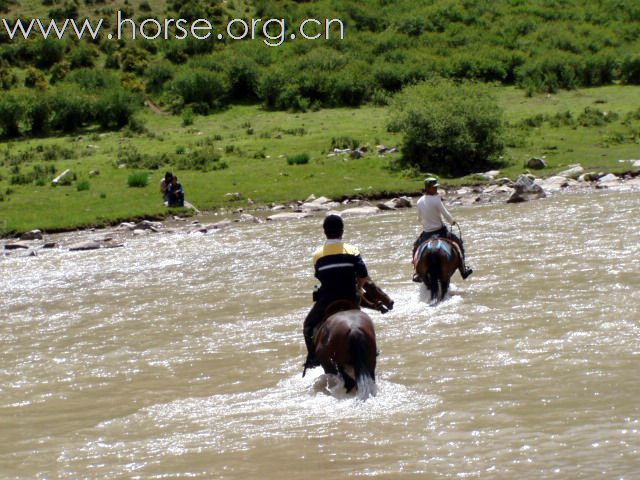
[[435, 243]]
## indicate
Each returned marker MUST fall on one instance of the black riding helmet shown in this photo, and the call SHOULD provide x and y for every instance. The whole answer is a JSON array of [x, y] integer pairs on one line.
[[333, 226]]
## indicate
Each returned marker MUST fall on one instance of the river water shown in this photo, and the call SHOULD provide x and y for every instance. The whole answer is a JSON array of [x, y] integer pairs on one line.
[[179, 356]]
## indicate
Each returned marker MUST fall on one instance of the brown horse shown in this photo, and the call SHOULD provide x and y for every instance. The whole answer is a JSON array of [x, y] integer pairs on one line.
[[437, 259], [346, 341]]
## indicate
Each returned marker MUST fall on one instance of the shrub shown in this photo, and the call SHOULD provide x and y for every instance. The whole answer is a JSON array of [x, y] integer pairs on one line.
[[188, 117], [115, 108], [594, 117], [11, 113], [204, 89], [449, 128], [205, 159], [157, 75], [71, 109], [344, 142], [630, 70], [83, 185], [298, 159], [138, 179]]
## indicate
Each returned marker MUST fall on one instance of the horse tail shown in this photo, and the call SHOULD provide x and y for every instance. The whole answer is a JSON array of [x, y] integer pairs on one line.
[[434, 270], [360, 354]]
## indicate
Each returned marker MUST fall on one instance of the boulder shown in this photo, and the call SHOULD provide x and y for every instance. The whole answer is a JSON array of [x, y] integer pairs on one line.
[[402, 202], [536, 163], [313, 207], [359, 211], [321, 200], [112, 244], [504, 181], [87, 245], [395, 203], [573, 172], [525, 189], [386, 206], [557, 182], [288, 216], [51, 245], [218, 225], [147, 225], [126, 226], [16, 246], [245, 217], [32, 235], [636, 164], [589, 177], [607, 181]]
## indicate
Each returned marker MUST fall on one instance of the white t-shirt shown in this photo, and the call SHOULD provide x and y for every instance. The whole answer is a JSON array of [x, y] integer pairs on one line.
[[430, 213]]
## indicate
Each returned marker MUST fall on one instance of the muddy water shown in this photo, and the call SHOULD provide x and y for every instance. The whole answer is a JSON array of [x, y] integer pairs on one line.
[[180, 355]]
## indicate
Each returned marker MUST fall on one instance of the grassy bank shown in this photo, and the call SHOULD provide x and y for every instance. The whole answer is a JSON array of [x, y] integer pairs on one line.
[[253, 146]]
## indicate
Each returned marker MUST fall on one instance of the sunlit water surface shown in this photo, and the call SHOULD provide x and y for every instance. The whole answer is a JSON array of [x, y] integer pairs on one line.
[[180, 355]]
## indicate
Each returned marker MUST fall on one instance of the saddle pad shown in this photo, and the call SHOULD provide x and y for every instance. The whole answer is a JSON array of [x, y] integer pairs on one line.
[[433, 245]]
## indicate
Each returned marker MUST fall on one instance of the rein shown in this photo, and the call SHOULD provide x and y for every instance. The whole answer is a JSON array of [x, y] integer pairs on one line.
[[459, 231]]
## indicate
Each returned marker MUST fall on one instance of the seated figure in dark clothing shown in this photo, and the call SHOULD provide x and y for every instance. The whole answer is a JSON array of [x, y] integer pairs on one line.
[[175, 193]]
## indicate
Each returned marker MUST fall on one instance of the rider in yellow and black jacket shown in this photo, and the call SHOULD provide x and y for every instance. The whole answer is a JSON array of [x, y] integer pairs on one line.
[[341, 272]]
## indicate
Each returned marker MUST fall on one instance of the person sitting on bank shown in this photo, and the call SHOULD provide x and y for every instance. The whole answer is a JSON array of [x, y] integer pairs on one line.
[[342, 274], [431, 211], [176, 193], [164, 186]]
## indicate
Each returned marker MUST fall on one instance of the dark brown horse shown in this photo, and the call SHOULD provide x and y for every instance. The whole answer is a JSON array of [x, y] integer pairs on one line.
[[346, 341], [437, 259]]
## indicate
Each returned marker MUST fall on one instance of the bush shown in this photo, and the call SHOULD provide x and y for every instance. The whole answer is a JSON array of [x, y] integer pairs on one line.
[[344, 142], [71, 109], [115, 108], [157, 75], [204, 89], [630, 70], [298, 159], [138, 179], [449, 128], [83, 185], [205, 159], [38, 114], [11, 113]]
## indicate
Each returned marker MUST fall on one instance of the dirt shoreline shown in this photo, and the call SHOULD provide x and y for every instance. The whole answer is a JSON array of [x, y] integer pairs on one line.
[[114, 234]]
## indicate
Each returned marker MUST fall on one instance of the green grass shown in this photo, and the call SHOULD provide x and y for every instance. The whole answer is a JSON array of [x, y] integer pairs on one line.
[[257, 161]]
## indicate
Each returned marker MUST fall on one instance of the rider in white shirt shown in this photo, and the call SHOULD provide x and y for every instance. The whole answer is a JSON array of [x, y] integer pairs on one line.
[[431, 211]]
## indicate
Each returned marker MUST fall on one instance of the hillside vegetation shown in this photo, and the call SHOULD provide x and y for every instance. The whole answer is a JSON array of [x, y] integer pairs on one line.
[[538, 45], [240, 116]]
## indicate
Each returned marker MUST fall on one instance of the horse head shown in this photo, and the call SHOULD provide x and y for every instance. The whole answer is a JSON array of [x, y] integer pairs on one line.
[[375, 299]]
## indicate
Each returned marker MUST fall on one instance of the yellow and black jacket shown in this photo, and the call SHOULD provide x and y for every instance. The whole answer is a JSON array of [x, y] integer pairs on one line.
[[337, 265]]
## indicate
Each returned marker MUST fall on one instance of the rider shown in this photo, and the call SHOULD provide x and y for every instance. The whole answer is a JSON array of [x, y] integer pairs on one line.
[[430, 213], [342, 274]]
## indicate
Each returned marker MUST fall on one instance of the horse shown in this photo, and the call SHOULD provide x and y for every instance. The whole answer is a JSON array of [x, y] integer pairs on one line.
[[436, 260], [345, 342]]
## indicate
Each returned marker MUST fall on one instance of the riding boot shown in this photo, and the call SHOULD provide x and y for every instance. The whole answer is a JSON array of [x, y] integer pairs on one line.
[[465, 270]]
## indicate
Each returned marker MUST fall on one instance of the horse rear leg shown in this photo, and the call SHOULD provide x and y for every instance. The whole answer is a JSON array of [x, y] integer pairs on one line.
[[444, 288], [349, 382], [363, 354]]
